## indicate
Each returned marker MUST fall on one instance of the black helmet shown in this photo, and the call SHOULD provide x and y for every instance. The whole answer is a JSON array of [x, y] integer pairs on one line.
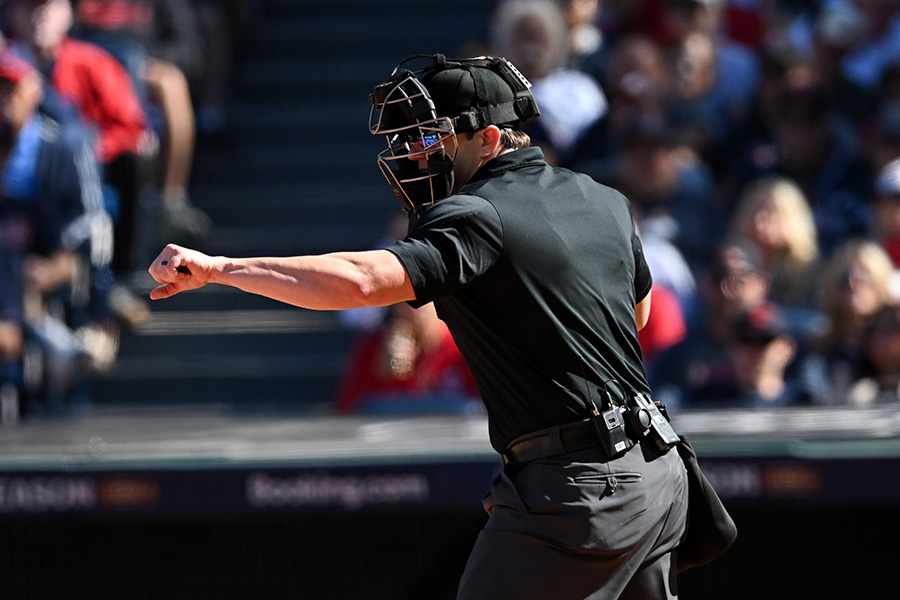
[[427, 106]]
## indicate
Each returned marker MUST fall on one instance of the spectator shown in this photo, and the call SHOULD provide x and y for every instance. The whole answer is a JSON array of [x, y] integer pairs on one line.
[[12, 334], [734, 283], [56, 234], [885, 223], [773, 214], [759, 355], [665, 327], [753, 149], [636, 81], [588, 47], [703, 126], [671, 185], [736, 69], [533, 35], [807, 141], [854, 286], [877, 374], [104, 96], [667, 263], [838, 29], [158, 41], [410, 364]]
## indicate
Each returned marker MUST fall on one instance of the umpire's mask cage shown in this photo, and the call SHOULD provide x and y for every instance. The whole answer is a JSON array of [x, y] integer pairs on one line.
[[421, 111], [403, 111]]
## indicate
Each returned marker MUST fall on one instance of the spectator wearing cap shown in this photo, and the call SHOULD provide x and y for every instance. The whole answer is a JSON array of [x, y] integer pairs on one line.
[[16, 79], [759, 355], [671, 185], [734, 282]]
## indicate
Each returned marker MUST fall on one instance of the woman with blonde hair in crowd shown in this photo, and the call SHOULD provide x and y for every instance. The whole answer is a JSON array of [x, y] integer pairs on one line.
[[774, 214], [855, 285]]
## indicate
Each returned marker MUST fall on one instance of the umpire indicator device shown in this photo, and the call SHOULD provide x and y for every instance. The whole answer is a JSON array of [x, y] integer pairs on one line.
[[609, 426], [661, 432]]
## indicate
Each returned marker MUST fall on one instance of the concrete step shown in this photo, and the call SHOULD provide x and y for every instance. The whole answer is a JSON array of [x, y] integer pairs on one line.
[[310, 159], [295, 173], [284, 355]]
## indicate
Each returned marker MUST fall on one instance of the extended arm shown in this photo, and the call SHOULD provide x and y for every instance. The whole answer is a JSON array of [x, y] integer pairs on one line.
[[326, 282]]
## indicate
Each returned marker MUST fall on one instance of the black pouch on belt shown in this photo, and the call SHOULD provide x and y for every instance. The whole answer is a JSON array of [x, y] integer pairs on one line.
[[710, 529]]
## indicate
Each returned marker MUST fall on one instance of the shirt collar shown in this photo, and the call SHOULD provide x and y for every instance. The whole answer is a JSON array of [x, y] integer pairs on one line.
[[509, 161]]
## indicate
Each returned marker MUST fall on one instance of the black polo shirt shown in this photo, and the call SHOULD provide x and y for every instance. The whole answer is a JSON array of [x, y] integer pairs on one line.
[[536, 271]]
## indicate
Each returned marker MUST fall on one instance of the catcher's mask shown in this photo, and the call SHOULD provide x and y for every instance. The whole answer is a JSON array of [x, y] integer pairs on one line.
[[420, 110]]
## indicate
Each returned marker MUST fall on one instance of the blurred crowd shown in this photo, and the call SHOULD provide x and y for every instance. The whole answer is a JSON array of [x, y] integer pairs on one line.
[[759, 142], [101, 106]]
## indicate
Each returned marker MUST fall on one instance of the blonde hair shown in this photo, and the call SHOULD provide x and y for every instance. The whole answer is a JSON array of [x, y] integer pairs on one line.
[[791, 204], [873, 259]]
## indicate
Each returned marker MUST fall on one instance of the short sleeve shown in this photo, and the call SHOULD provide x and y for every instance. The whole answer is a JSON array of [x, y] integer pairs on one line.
[[456, 241], [643, 280]]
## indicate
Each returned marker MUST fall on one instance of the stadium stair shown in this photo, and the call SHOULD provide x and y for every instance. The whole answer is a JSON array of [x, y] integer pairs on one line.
[[294, 173]]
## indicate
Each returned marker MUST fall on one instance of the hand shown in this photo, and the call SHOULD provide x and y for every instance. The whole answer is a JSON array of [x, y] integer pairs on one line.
[[46, 275], [179, 270]]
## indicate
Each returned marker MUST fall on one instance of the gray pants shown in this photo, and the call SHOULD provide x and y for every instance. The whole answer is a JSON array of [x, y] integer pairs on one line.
[[580, 527]]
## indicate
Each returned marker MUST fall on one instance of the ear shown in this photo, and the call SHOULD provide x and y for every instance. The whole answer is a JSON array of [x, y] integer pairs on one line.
[[490, 142]]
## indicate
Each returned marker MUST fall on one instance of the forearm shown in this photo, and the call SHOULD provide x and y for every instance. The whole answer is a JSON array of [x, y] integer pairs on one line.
[[327, 282]]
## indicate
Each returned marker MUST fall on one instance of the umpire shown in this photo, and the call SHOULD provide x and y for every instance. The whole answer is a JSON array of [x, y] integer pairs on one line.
[[541, 278]]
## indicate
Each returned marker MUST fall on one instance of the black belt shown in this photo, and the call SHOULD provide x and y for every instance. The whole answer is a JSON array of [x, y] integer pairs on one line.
[[555, 441]]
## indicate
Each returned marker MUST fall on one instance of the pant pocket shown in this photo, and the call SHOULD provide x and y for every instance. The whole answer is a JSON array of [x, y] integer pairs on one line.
[[611, 481]]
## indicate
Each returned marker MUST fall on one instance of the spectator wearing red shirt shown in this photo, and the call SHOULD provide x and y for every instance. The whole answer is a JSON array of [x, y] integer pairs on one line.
[[410, 364], [80, 71], [159, 41], [666, 325], [83, 73]]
